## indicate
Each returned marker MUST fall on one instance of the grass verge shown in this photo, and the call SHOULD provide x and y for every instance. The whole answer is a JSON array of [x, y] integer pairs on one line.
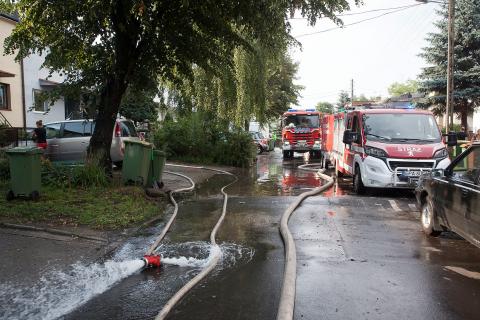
[[99, 208]]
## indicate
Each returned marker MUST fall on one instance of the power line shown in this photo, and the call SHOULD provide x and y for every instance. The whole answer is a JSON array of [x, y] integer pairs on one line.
[[358, 22], [361, 12]]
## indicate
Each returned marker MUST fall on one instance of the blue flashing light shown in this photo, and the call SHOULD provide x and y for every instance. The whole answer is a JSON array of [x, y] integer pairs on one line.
[[310, 110], [292, 110]]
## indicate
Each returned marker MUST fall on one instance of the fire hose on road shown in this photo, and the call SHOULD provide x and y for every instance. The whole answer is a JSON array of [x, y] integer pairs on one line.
[[215, 252], [287, 298]]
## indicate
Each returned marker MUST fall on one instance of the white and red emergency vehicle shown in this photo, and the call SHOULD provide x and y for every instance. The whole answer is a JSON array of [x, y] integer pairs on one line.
[[385, 148], [301, 132]]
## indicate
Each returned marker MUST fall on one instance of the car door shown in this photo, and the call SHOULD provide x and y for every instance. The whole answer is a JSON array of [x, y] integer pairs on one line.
[[53, 134], [73, 143], [472, 195], [461, 193], [350, 150]]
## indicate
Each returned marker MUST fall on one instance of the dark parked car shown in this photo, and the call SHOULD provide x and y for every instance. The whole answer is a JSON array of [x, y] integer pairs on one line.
[[450, 199]]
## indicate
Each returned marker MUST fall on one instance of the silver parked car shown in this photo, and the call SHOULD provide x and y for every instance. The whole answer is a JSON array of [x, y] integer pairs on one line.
[[68, 140]]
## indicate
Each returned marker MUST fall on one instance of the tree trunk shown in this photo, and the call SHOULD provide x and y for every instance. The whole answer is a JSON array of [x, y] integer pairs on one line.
[[101, 141], [464, 119]]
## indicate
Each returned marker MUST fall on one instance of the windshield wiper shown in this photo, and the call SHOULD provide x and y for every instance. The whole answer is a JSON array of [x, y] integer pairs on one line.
[[381, 137], [414, 139]]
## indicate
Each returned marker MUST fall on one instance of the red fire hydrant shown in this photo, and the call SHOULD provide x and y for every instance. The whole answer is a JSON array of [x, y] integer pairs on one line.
[[151, 261]]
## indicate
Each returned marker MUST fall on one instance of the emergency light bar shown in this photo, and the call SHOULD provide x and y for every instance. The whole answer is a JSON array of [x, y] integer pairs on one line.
[[300, 110]]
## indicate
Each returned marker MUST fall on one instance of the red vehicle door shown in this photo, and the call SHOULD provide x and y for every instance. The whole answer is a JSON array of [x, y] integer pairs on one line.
[[353, 124]]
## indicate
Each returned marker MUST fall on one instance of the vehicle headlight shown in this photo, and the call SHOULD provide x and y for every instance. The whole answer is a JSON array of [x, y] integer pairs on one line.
[[441, 154], [317, 141], [286, 143], [375, 152]]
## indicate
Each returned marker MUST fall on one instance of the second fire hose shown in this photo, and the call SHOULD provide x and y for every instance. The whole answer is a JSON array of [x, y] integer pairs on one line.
[[287, 299]]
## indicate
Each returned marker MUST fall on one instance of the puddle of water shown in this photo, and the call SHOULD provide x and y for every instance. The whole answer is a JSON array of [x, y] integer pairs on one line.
[[59, 292]]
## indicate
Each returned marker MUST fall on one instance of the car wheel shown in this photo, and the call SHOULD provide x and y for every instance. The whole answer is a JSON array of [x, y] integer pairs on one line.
[[10, 195], [428, 218], [259, 149], [358, 186], [286, 154], [338, 172], [118, 164], [35, 195]]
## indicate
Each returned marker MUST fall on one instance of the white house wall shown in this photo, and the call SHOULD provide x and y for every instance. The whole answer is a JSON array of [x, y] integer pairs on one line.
[[33, 72], [14, 115], [476, 120]]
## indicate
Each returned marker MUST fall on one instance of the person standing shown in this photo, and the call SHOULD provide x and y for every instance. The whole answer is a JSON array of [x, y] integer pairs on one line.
[[462, 135], [476, 137], [40, 135]]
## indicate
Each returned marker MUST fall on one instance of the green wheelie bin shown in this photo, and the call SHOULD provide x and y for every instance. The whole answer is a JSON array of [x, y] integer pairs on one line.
[[136, 162], [157, 164], [25, 172]]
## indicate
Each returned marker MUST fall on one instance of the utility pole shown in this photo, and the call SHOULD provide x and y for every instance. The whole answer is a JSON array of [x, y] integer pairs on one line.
[[451, 45], [352, 93]]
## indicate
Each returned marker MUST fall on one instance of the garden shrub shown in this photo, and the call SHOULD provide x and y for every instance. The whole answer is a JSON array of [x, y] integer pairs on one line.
[[199, 138], [62, 176]]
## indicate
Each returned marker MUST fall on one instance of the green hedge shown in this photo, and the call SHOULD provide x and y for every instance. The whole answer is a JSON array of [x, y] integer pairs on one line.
[[199, 138]]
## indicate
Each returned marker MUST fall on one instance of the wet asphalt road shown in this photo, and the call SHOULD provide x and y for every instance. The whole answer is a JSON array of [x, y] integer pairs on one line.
[[358, 257]]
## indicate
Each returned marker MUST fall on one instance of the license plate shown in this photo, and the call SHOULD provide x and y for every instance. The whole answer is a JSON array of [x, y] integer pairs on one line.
[[414, 173]]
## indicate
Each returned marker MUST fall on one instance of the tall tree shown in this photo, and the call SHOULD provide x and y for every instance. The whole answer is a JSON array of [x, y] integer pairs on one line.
[[325, 107], [140, 106], [433, 79], [343, 98], [113, 44], [400, 88]]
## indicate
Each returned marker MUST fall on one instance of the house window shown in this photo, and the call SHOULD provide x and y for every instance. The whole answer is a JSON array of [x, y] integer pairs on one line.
[[39, 101], [4, 96]]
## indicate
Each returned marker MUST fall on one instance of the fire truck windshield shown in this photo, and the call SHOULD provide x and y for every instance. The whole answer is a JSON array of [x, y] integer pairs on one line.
[[401, 128], [302, 121]]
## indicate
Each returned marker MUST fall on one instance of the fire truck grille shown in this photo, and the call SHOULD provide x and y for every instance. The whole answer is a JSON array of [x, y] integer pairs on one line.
[[411, 164], [302, 136]]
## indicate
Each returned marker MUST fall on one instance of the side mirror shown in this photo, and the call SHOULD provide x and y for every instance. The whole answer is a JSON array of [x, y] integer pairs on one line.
[[349, 136], [452, 139]]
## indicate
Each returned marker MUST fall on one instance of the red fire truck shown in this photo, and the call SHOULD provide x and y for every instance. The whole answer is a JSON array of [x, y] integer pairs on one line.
[[301, 132], [386, 148]]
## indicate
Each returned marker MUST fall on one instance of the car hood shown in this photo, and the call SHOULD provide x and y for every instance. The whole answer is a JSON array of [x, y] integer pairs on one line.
[[408, 151]]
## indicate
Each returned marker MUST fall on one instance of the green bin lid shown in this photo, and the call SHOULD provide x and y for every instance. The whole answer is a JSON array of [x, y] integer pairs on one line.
[[143, 143], [159, 153], [28, 150]]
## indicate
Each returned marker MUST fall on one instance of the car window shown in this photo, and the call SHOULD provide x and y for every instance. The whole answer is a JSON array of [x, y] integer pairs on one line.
[[128, 129], [89, 126], [73, 129], [53, 130], [468, 168]]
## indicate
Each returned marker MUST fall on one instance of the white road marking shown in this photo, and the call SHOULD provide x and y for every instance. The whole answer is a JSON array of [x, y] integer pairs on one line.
[[413, 207], [394, 205], [464, 272]]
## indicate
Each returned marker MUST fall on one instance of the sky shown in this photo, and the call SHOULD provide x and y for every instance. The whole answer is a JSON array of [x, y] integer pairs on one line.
[[374, 53]]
